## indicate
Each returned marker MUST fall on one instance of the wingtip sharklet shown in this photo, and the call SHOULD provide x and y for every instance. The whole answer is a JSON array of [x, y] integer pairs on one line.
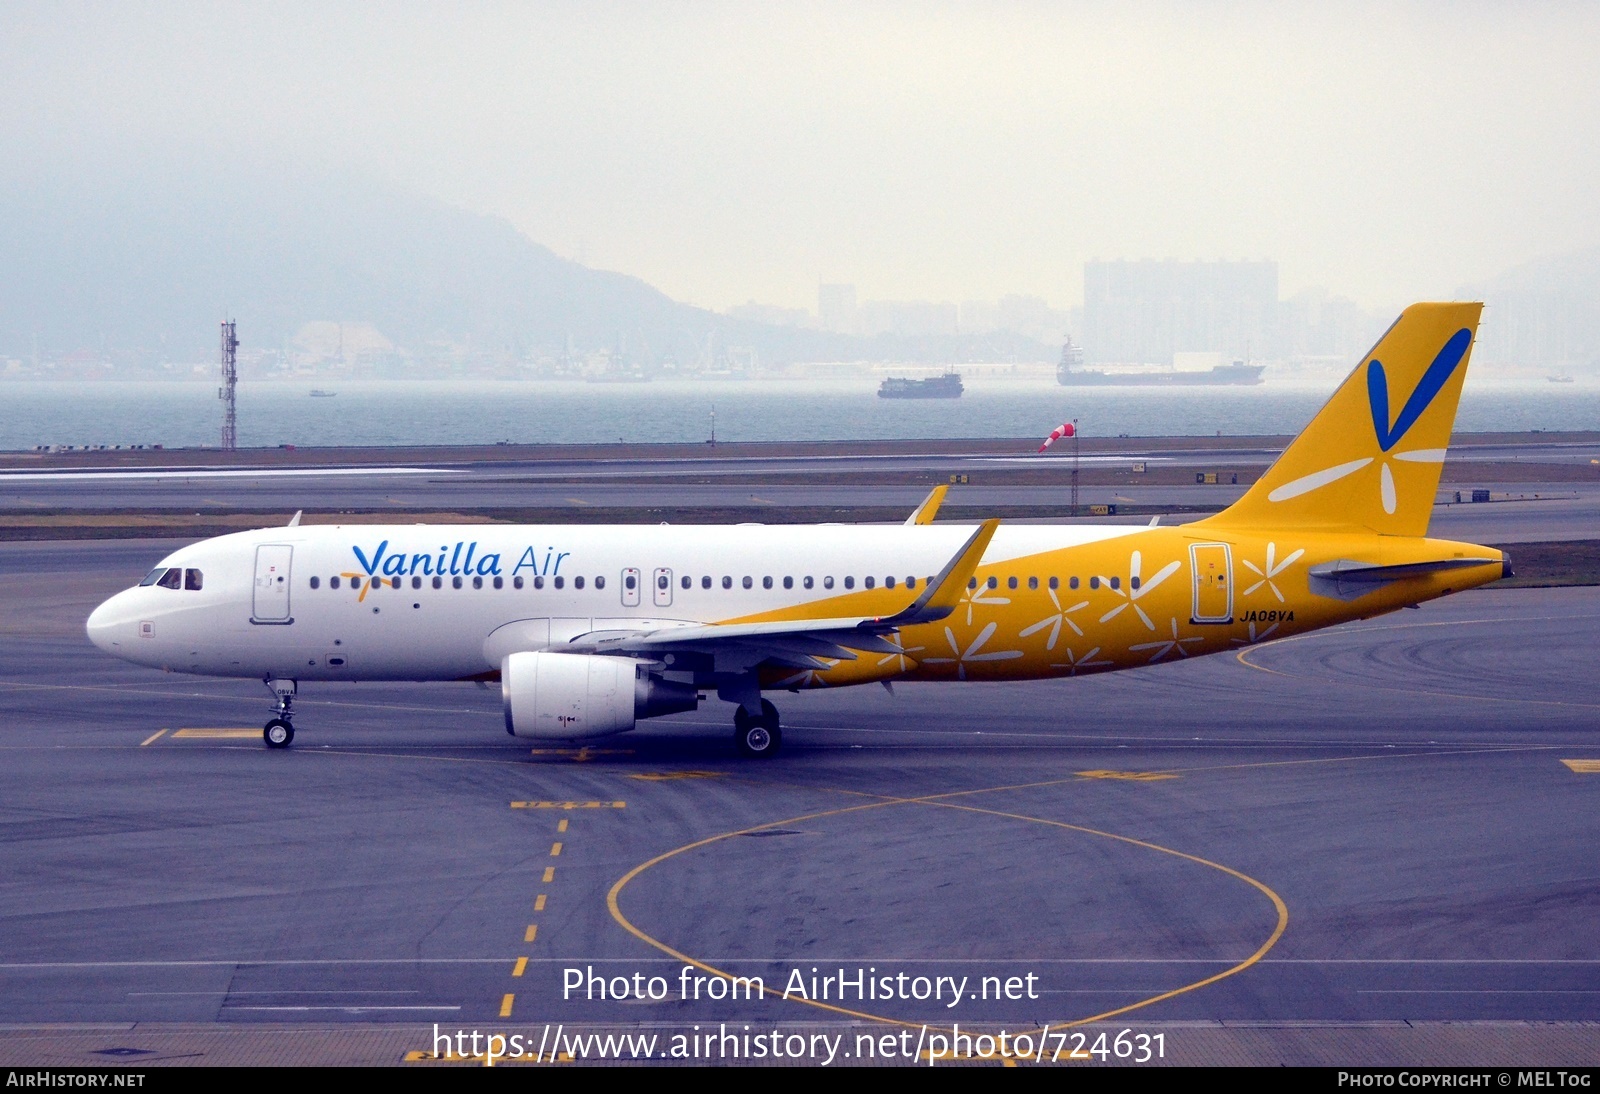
[[943, 593]]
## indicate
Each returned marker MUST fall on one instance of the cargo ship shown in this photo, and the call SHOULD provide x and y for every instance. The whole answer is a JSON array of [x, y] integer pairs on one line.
[[947, 386], [1070, 374]]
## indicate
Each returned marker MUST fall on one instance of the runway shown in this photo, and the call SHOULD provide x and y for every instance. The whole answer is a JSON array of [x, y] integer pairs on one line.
[[1369, 845]]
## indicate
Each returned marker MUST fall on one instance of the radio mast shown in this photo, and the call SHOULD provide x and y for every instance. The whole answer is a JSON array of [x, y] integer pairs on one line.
[[230, 380]]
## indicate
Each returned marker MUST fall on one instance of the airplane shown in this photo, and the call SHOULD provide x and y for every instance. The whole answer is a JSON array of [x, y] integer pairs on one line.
[[591, 629]]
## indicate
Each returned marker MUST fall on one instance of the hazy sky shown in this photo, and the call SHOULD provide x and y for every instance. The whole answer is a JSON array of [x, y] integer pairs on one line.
[[723, 152]]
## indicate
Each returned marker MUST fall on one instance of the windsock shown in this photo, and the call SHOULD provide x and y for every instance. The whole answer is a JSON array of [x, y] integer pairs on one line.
[[1063, 430]]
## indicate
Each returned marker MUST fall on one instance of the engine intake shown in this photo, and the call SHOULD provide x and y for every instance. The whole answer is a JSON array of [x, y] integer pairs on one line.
[[567, 696]]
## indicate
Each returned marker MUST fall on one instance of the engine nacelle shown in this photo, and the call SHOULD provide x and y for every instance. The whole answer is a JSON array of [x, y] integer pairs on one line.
[[566, 696]]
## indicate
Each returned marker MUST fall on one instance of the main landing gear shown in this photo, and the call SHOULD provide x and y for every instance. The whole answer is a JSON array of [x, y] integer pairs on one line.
[[280, 731], [757, 735]]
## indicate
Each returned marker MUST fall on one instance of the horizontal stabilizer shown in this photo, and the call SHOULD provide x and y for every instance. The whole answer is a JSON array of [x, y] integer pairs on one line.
[[1346, 579]]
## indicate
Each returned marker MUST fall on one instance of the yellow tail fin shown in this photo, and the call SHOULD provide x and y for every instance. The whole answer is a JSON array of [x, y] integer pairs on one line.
[[1372, 456]]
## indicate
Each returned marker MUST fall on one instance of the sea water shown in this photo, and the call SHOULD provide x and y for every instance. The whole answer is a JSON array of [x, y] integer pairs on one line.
[[177, 414]]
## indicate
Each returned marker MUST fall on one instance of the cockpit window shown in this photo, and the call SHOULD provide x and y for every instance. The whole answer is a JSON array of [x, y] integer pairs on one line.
[[193, 579], [153, 576], [172, 579]]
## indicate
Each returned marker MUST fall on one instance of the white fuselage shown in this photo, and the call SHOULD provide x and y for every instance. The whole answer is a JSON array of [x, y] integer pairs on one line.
[[421, 602]]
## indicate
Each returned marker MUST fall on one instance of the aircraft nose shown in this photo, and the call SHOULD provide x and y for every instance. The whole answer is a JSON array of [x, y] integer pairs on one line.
[[109, 626]]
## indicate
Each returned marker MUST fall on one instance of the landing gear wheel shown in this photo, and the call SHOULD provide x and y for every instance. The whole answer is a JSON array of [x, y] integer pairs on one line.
[[758, 737], [278, 733]]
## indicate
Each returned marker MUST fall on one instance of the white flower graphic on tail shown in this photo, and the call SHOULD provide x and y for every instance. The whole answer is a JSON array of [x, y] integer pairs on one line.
[[1139, 588], [971, 654], [1389, 434]]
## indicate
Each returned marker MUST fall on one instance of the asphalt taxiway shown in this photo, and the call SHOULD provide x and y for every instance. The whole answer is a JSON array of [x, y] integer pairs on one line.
[[1370, 845]]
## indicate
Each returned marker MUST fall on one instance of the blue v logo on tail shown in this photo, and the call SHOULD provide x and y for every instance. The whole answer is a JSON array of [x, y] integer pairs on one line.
[[1422, 397]]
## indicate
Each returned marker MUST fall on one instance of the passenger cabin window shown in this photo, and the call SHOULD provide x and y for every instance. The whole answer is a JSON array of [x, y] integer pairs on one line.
[[438, 582], [869, 582], [747, 582], [1073, 583], [516, 582], [172, 579], [193, 579], [911, 583], [416, 583], [499, 583], [766, 583], [807, 582], [1011, 583], [1094, 582], [849, 583], [994, 583], [560, 582], [687, 582], [705, 582], [455, 583], [630, 582], [577, 583], [727, 582], [827, 582], [1055, 583], [538, 583], [1116, 583], [316, 581], [599, 583], [1033, 583], [888, 582], [333, 582], [1133, 582], [788, 582]]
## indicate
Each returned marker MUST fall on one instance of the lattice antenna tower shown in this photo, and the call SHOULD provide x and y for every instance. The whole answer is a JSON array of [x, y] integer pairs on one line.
[[230, 381]]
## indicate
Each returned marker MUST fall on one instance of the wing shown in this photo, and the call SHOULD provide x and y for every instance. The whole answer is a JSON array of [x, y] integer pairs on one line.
[[799, 642]]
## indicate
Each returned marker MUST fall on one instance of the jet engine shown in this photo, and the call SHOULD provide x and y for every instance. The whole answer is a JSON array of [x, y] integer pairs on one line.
[[565, 696]]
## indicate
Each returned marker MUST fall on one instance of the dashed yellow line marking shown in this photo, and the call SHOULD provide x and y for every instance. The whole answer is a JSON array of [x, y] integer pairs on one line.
[[1584, 767], [669, 776], [152, 738], [565, 805], [555, 849], [549, 874], [531, 933], [562, 827], [505, 1005], [538, 903], [215, 734], [520, 967], [1130, 776], [580, 755]]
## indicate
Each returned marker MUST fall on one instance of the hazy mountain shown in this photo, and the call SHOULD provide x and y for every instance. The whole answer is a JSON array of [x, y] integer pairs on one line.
[[147, 265], [1544, 314]]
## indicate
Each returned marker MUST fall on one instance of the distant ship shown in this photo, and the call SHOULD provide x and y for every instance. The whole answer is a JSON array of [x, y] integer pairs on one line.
[[318, 393], [1563, 378], [947, 386], [1070, 374]]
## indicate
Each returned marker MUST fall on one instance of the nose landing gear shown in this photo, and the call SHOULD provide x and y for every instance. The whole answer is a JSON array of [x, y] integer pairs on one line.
[[757, 735], [279, 732]]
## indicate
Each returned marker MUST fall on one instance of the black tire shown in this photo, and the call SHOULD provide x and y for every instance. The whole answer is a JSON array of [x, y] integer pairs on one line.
[[278, 733], [757, 737]]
